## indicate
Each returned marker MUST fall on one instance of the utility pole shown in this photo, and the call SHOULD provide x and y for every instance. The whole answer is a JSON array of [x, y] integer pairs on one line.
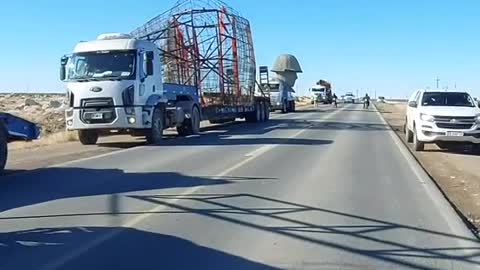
[[438, 81]]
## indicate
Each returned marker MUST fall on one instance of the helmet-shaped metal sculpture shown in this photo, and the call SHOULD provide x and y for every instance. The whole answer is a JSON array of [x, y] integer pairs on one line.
[[286, 63], [286, 67]]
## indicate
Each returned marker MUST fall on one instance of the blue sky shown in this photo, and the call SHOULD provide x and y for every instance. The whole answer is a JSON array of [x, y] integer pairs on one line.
[[391, 47]]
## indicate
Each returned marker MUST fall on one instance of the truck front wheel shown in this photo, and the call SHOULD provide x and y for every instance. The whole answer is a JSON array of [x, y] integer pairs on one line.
[[155, 134], [3, 148], [190, 126], [88, 137]]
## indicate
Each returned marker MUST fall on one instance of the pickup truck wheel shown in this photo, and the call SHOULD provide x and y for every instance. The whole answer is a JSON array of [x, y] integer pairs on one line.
[[3, 148], [155, 134], [417, 145], [408, 134], [88, 137]]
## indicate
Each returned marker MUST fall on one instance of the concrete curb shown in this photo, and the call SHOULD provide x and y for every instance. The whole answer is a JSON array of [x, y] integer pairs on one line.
[[470, 226]]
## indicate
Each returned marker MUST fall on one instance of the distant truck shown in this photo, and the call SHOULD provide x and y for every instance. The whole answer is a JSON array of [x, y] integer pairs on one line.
[[283, 103], [318, 93], [14, 128], [322, 92]]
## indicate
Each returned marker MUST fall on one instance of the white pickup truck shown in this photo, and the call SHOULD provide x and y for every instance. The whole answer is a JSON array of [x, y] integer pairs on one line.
[[442, 117]]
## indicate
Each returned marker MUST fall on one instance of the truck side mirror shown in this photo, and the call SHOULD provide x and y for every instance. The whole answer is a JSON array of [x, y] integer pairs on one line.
[[63, 72], [413, 104]]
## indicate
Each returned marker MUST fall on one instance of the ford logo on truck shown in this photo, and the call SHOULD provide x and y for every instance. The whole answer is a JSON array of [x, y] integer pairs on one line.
[[96, 89]]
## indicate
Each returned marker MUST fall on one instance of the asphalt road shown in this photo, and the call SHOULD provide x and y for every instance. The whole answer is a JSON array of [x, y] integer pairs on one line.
[[318, 189]]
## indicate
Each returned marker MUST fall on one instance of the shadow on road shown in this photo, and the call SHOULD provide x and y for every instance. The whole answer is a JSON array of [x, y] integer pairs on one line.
[[127, 249], [48, 184], [359, 228], [374, 238]]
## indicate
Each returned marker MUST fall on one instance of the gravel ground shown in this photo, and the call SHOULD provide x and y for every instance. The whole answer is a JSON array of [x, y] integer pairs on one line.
[[455, 172]]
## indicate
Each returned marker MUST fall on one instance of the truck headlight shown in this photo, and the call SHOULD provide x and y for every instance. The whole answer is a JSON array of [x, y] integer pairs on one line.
[[426, 117], [478, 119]]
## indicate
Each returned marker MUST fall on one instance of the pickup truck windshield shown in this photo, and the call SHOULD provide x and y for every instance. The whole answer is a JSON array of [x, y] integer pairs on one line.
[[102, 65], [447, 99]]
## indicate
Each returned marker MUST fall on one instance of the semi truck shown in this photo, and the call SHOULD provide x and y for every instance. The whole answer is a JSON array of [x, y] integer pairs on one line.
[[168, 73], [328, 91], [13, 128]]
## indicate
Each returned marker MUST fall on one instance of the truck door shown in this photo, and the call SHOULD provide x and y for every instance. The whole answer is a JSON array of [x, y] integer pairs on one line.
[[147, 84]]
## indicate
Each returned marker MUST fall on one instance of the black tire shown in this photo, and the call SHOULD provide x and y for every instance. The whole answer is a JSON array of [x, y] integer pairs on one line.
[[88, 137], [408, 134], [262, 112], [155, 134], [3, 148], [417, 145], [284, 107], [267, 111], [292, 109], [190, 126], [258, 112]]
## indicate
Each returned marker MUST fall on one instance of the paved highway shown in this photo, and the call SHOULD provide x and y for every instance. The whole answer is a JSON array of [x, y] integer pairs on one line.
[[318, 189]]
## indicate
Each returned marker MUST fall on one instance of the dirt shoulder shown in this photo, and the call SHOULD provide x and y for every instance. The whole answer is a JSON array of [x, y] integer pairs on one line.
[[455, 172]]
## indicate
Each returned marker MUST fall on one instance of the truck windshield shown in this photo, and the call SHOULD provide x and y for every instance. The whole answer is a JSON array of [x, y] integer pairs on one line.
[[274, 87], [447, 99], [102, 65]]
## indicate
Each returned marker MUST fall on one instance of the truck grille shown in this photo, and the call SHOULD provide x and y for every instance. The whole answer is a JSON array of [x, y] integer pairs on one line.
[[91, 108], [454, 122]]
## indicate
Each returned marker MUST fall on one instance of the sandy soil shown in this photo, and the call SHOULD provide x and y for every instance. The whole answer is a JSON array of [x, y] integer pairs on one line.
[[455, 172]]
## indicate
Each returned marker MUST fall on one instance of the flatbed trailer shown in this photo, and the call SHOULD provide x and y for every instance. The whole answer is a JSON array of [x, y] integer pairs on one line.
[[13, 128]]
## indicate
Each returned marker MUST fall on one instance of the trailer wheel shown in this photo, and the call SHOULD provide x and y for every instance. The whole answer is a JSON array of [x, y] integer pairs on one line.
[[284, 107], [3, 148], [88, 137], [267, 111], [258, 112], [155, 134], [262, 112], [190, 126]]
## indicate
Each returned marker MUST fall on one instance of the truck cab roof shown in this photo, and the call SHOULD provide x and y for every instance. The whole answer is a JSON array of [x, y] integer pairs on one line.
[[111, 42]]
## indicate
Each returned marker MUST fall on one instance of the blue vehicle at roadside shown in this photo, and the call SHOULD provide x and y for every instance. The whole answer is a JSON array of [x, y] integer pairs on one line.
[[13, 128]]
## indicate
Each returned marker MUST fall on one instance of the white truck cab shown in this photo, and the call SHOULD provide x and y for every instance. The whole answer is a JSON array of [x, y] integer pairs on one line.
[[318, 94], [281, 100], [442, 117], [115, 84]]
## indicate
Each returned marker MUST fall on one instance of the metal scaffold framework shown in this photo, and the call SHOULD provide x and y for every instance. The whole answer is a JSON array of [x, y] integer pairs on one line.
[[206, 44]]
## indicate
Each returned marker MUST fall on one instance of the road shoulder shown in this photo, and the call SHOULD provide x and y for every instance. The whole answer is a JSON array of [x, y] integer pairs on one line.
[[452, 172]]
